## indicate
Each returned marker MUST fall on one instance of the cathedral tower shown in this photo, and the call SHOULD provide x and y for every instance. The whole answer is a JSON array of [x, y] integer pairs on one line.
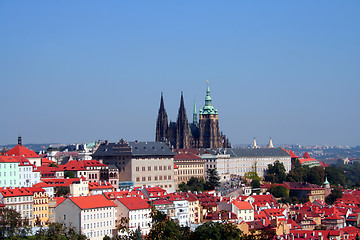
[[161, 123], [209, 134]]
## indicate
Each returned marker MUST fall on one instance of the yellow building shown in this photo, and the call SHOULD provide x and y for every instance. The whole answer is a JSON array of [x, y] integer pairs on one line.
[[40, 206], [188, 165]]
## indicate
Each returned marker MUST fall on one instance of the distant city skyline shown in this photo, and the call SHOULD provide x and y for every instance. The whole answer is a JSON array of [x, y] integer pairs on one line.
[[75, 72]]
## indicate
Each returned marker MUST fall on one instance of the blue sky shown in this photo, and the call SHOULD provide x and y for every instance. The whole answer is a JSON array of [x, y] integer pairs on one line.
[[78, 71]]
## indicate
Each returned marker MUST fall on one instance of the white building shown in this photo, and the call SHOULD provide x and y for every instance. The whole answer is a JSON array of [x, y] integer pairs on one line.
[[92, 216], [238, 161], [243, 210], [181, 209], [137, 211], [28, 174]]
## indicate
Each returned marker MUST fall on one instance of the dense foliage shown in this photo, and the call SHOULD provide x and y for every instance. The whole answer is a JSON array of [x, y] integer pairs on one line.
[[199, 185]]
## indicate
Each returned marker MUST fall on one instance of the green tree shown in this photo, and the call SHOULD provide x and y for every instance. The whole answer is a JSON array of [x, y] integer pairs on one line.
[[58, 231], [69, 174], [62, 191], [217, 231], [194, 184], [316, 176], [276, 173], [164, 228], [335, 194], [279, 191], [255, 183], [213, 179], [11, 224], [53, 165], [336, 176]]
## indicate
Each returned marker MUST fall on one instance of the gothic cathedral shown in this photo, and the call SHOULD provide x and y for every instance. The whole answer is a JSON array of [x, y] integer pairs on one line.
[[201, 133]]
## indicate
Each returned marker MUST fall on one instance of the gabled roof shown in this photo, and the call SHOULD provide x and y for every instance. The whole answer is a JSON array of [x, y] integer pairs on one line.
[[187, 156], [242, 205], [59, 200], [94, 201], [22, 151], [134, 203]]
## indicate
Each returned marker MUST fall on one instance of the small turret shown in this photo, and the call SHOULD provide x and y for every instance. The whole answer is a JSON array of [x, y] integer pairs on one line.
[[254, 144], [19, 140], [271, 145]]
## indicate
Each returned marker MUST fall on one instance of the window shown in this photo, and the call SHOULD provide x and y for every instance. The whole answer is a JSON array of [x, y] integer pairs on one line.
[[143, 168], [143, 179], [169, 167], [169, 177], [160, 168], [156, 178], [138, 179], [149, 168], [160, 177], [137, 169], [155, 168], [64, 217], [149, 178]]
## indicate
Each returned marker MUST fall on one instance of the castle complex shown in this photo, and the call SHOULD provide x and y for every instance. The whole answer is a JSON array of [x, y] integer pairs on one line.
[[201, 133]]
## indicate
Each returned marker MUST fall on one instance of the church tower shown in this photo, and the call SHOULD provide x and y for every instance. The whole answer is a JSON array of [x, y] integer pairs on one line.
[[161, 123], [183, 133], [209, 134]]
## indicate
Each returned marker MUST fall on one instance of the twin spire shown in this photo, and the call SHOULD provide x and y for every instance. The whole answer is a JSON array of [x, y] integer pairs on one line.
[[254, 145]]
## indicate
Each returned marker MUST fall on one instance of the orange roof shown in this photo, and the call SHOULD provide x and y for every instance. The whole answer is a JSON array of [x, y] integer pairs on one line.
[[9, 159], [94, 201], [56, 182], [8, 192], [22, 151], [75, 165], [59, 200], [242, 205], [134, 203], [95, 185]]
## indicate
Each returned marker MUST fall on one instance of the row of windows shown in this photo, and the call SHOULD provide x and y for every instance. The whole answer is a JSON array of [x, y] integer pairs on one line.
[[11, 174], [40, 208], [11, 165], [155, 168], [191, 171], [156, 178], [97, 216], [98, 224], [98, 233], [18, 199]]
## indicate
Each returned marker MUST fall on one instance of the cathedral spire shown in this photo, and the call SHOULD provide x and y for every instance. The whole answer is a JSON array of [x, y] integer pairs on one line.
[[162, 122], [195, 116], [182, 127], [208, 108]]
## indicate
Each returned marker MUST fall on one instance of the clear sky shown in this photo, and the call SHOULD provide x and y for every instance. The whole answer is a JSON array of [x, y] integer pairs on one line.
[[79, 71]]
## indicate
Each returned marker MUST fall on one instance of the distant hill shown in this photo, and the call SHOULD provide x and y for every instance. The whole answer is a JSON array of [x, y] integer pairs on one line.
[[35, 147]]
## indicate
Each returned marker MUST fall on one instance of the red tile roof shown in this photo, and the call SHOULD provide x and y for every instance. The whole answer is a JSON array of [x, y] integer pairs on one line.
[[187, 156], [95, 185], [56, 182], [75, 165], [134, 203], [22, 151], [59, 200], [242, 205], [8, 192], [121, 194], [9, 159], [94, 201]]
